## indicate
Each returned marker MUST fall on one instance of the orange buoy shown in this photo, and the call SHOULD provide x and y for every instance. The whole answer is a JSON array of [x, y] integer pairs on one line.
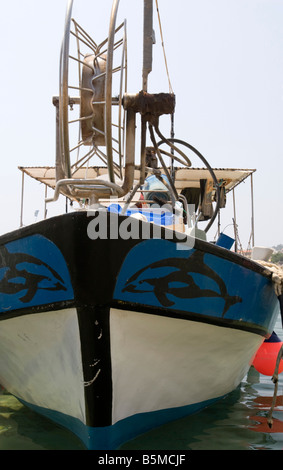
[[266, 356]]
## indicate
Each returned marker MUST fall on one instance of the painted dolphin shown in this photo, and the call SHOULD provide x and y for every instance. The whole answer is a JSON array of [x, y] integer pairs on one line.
[[23, 272], [173, 276]]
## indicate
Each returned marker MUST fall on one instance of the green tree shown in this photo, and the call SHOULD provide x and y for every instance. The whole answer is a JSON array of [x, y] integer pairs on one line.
[[277, 258]]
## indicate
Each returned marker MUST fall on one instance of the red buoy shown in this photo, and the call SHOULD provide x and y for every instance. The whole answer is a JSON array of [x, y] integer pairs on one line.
[[266, 356]]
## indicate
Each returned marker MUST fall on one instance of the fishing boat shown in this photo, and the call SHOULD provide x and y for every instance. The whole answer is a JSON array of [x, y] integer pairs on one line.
[[120, 315]]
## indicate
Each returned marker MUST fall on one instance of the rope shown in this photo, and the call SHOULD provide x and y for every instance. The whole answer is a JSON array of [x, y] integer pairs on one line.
[[277, 275], [162, 42], [275, 381], [277, 278]]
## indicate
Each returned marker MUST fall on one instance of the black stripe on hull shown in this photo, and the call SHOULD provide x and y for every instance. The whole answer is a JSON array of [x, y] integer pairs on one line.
[[96, 361]]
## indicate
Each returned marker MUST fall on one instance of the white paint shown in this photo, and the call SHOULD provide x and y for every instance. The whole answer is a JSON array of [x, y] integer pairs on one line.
[[160, 362], [40, 360]]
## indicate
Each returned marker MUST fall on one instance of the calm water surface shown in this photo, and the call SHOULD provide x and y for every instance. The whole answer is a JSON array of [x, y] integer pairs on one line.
[[238, 422]]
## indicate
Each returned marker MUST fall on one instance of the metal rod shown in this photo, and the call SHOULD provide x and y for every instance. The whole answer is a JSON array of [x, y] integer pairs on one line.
[[235, 221], [102, 156], [22, 199], [64, 98], [84, 33], [79, 163], [78, 146], [116, 31], [172, 150], [85, 118], [252, 202], [59, 174], [86, 183], [45, 208], [79, 88], [108, 90], [143, 150], [88, 44], [98, 76], [117, 69], [98, 130], [82, 62], [115, 102]]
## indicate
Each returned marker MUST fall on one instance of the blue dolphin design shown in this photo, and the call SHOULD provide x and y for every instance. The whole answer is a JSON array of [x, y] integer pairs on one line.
[[23, 272], [179, 282]]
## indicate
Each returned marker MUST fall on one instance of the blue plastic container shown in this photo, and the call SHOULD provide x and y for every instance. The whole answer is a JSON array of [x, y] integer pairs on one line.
[[225, 241], [158, 216]]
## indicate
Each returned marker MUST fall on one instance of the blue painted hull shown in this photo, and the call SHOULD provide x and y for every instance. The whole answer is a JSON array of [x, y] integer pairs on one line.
[[112, 437]]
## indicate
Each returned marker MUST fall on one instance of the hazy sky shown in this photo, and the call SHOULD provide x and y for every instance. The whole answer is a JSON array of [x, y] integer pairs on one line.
[[225, 61]]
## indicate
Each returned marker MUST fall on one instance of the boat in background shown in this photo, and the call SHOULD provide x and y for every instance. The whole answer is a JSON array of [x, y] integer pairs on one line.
[[120, 316]]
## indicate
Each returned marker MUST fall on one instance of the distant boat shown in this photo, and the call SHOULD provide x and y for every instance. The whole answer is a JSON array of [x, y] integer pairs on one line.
[[120, 316]]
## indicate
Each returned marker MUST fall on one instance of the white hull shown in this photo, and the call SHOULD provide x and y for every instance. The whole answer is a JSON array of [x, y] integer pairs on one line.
[[41, 361], [158, 363], [161, 362]]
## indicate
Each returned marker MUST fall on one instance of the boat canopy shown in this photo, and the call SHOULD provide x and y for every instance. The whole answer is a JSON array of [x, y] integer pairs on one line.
[[184, 177]]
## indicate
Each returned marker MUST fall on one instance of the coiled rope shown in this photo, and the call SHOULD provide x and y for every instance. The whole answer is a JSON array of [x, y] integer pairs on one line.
[[277, 275]]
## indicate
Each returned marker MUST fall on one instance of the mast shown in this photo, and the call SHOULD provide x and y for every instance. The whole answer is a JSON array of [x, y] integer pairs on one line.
[[147, 68], [147, 42]]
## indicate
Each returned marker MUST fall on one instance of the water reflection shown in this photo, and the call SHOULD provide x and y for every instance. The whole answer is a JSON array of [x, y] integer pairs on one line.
[[22, 429]]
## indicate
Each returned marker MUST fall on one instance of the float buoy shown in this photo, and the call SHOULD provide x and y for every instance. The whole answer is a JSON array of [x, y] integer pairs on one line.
[[265, 359]]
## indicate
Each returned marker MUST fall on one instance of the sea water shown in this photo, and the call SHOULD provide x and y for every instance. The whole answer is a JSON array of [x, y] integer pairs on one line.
[[237, 422]]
